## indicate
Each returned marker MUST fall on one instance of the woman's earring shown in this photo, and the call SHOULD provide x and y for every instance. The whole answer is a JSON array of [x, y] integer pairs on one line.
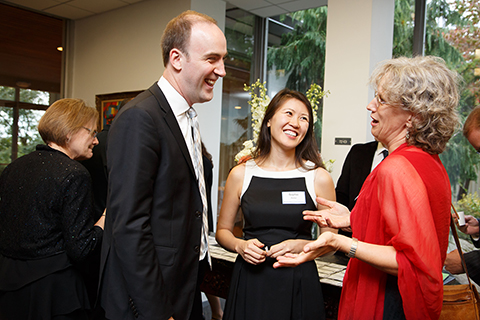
[[407, 136]]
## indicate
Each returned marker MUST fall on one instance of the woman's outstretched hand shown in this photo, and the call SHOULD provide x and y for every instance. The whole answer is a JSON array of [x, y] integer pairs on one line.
[[287, 246], [334, 216], [325, 243]]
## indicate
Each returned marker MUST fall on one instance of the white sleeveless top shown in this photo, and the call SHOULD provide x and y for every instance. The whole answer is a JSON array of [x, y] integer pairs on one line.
[[252, 169]]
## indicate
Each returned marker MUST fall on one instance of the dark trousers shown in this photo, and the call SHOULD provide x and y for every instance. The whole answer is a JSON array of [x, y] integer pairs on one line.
[[197, 310]]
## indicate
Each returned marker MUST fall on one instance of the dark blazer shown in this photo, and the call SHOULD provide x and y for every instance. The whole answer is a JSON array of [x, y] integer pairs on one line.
[[472, 260], [208, 174], [97, 166], [476, 242], [355, 170], [150, 251]]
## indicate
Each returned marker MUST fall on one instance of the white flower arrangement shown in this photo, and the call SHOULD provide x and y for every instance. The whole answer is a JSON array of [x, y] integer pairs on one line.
[[259, 104], [329, 165]]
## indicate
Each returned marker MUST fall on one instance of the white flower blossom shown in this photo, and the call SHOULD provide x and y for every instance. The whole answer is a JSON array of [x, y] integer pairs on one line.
[[329, 165], [247, 150]]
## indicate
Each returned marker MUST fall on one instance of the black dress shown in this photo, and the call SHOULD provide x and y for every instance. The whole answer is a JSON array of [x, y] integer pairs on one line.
[[272, 203]]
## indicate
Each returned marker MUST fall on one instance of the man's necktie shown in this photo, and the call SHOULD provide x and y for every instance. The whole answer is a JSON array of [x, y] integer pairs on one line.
[[198, 165], [385, 153]]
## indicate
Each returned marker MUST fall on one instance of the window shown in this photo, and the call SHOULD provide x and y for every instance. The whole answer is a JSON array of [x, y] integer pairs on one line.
[[452, 33], [239, 31], [20, 111], [296, 54], [30, 76]]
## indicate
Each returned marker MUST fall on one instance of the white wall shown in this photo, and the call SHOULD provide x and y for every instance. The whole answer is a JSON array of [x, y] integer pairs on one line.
[[120, 51], [359, 35]]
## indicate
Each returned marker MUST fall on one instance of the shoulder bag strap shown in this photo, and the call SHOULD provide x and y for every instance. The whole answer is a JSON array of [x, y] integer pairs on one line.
[[455, 236]]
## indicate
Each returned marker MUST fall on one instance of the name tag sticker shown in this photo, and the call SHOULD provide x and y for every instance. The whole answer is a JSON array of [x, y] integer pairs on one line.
[[293, 197]]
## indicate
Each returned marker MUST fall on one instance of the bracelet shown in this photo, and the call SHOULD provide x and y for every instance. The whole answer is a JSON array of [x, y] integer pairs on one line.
[[353, 248]]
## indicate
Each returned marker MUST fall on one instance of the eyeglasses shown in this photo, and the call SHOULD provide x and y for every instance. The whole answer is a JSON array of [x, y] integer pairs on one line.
[[383, 102], [93, 133], [379, 100]]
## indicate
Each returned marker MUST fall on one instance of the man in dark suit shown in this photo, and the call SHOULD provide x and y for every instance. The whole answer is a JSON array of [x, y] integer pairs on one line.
[[152, 255], [97, 167], [356, 168], [360, 161], [453, 263]]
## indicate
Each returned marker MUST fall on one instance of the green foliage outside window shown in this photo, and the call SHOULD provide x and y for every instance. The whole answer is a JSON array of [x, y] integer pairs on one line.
[[469, 204], [302, 51], [301, 54], [452, 33], [28, 136]]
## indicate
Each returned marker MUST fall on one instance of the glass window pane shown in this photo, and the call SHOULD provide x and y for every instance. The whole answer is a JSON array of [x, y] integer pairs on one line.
[[6, 119], [34, 96], [28, 136], [235, 127], [296, 54], [7, 93]]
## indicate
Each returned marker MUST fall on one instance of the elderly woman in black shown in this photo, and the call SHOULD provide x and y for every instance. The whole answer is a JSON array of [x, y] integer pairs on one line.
[[45, 219]]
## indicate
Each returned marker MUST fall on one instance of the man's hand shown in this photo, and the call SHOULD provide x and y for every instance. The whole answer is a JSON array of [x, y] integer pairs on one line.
[[453, 263], [471, 227]]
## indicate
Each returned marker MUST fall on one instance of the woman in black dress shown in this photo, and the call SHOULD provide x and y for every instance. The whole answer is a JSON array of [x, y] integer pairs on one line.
[[282, 180], [46, 220]]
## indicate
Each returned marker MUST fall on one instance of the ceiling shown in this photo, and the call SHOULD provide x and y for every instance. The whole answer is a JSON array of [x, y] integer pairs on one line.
[[79, 9], [28, 49], [71, 9]]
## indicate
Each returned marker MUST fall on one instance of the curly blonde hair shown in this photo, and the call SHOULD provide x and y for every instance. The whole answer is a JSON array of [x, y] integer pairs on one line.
[[426, 87]]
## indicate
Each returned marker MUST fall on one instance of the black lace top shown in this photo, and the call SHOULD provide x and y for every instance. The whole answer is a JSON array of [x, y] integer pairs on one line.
[[46, 207]]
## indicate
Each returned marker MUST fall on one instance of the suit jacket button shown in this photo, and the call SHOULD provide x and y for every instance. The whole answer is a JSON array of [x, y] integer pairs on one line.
[[196, 249], [198, 214]]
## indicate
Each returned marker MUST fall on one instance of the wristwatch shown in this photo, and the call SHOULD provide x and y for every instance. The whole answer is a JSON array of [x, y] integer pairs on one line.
[[353, 248]]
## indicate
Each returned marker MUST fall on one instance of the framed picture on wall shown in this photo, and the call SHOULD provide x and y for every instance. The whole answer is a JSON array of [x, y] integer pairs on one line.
[[108, 104]]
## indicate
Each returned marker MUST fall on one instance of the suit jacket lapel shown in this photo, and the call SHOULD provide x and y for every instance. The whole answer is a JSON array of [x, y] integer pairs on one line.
[[172, 123]]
